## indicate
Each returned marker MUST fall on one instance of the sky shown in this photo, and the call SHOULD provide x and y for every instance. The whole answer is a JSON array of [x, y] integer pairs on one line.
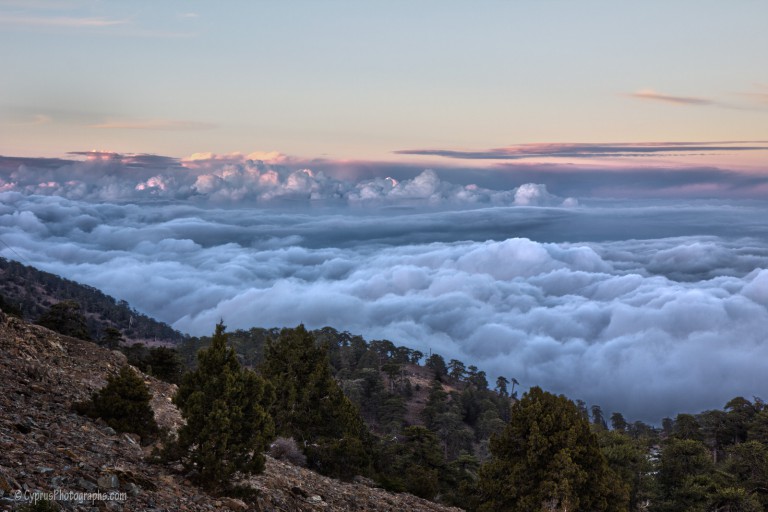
[[569, 193], [361, 80]]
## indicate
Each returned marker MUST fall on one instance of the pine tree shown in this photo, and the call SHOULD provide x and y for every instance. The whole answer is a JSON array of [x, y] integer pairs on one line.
[[66, 318], [311, 407], [227, 426], [112, 338], [123, 404], [547, 458]]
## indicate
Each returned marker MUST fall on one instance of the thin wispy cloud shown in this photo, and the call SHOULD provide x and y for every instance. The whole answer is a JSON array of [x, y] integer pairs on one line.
[[153, 124], [586, 150], [650, 94]]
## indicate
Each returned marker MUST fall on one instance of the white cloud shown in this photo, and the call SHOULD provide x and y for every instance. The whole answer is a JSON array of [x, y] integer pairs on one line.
[[647, 327], [258, 178]]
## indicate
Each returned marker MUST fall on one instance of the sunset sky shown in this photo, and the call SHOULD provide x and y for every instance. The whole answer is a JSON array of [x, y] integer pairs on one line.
[[348, 80], [569, 193]]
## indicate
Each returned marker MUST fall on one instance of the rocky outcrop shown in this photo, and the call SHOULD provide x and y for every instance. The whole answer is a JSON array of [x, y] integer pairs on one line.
[[47, 451]]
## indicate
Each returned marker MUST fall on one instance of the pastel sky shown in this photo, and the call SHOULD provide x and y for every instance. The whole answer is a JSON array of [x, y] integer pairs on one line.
[[345, 80]]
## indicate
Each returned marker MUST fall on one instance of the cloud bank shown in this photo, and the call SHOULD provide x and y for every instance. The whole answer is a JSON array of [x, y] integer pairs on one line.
[[229, 179], [648, 310], [261, 178]]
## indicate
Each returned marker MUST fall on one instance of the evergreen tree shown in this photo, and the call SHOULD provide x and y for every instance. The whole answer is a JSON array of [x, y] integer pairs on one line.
[[111, 339], [686, 426], [548, 458], [437, 364], [66, 318], [628, 459], [425, 461], [311, 407], [123, 404], [618, 422], [10, 308], [684, 476], [165, 364], [597, 418], [501, 385], [456, 369], [747, 467], [227, 427]]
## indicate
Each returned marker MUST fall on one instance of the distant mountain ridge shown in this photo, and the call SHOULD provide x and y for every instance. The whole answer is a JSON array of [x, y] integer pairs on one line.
[[33, 291]]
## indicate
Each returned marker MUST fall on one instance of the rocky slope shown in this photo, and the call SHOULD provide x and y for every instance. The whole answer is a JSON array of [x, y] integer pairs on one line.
[[50, 452]]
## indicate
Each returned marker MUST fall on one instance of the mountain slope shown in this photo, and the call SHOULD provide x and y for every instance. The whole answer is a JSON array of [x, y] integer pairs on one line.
[[44, 446], [34, 291]]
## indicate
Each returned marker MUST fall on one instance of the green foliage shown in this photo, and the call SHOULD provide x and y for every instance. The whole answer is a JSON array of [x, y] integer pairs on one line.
[[311, 407], [547, 456], [684, 476], [124, 405], [112, 338], [10, 308], [628, 459], [747, 469], [501, 385], [437, 364], [618, 422], [734, 499], [163, 363], [227, 426], [687, 427], [413, 463], [66, 318]]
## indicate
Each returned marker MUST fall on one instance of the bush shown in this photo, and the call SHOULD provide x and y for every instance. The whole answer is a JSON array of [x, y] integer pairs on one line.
[[66, 318], [227, 427], [286, 448], [123, 404], [10, 308]]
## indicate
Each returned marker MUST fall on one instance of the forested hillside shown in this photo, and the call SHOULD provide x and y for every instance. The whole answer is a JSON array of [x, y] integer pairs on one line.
[[31, 292], [474, 444]]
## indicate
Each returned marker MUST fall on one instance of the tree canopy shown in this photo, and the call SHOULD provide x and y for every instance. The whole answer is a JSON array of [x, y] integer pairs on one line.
[[311, 407], [547, 458]]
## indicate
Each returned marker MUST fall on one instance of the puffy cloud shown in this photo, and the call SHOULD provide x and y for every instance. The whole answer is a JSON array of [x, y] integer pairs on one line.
[[643, 319], [235, 178]]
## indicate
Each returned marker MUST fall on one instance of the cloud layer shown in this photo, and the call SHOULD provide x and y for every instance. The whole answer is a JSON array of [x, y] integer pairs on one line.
[[228, 179], [646, 310], [583, 150], [262, 178]]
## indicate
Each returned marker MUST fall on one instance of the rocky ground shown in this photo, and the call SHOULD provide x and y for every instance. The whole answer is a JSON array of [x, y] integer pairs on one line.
[[48, 451]]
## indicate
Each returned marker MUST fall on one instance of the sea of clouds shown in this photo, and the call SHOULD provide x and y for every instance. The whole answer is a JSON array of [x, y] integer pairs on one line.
[[647, 308]]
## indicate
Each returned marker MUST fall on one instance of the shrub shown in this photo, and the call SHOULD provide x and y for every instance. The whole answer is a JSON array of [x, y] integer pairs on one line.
[[66, 318], [286, 448], [123, 404]]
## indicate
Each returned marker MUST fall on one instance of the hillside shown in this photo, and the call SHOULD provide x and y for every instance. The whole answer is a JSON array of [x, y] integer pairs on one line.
[[33, 291], [396, 387], [45, 446]]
